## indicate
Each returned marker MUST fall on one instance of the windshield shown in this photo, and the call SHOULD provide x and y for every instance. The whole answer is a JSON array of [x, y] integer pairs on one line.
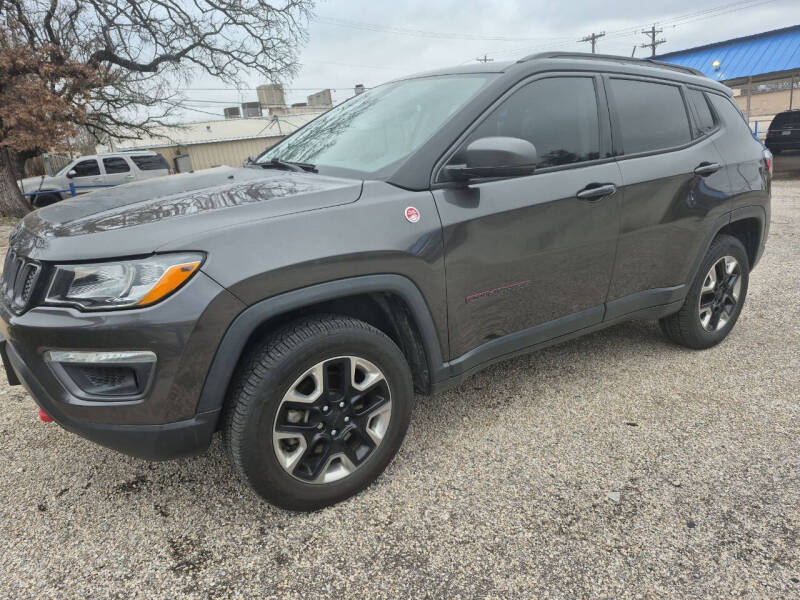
[[63, 169], [379, 127]]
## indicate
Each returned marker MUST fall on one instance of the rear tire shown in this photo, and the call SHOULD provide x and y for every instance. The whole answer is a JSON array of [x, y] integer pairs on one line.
[[317, 411], [715, 298]]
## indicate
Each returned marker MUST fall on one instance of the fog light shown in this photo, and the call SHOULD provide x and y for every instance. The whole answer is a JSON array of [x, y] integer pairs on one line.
[[109, 375]]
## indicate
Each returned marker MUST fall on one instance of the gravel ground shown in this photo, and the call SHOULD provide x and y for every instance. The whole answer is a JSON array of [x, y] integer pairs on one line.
[[616, 465]]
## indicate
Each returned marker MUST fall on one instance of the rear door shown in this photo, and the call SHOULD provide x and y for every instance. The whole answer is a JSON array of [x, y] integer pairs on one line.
[[87, 176], [675, 187], [528, 255], [118, 170]]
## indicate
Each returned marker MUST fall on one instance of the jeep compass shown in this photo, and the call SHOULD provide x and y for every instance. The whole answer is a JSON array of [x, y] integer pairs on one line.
[[395, 245]]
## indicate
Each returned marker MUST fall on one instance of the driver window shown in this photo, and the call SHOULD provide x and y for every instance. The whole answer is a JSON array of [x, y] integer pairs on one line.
[[86, 168], [558, 115]]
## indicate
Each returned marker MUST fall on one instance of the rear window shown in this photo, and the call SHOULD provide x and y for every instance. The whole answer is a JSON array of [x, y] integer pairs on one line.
[[652, 116], [702, 112], [115, 164], [785, 119], [150, 162], [729, 113]]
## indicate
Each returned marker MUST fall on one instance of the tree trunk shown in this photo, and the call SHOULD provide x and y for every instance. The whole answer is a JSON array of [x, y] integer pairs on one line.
[[12, 202]]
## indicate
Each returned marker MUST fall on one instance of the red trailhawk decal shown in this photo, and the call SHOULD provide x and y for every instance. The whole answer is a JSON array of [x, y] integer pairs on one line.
[[412, 214]]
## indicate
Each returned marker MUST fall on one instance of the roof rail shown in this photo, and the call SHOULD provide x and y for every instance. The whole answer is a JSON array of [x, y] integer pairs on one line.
[[612, 57]]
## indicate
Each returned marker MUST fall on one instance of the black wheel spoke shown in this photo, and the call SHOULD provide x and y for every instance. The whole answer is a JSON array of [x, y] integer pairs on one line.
[[707, 305], [315, 460]]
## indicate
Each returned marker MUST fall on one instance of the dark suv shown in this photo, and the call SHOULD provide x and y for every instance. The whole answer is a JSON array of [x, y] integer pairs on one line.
[[784, 132], [397, 244]]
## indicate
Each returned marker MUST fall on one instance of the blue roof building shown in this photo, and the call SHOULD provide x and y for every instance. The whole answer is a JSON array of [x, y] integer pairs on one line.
[[741, 62], [764, 56]]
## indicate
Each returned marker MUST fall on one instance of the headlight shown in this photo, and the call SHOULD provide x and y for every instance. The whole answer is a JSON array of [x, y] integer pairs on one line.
[[124, 284]]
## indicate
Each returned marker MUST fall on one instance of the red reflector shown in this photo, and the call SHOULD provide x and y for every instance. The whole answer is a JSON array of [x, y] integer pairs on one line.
[[45, 417]]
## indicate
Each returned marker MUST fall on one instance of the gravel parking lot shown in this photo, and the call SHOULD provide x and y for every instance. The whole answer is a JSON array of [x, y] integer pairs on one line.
[[616, 465]]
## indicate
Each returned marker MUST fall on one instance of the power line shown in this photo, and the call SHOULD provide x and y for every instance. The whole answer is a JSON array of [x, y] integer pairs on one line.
[[653, 32], [593, 37], [634, 30]]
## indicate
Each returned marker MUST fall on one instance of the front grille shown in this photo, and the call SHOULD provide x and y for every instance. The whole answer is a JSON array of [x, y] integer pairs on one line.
[[20, 275]]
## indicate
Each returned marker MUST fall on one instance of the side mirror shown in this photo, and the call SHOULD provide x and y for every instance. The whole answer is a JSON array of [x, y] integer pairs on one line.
[[72, 173], [494, 157]]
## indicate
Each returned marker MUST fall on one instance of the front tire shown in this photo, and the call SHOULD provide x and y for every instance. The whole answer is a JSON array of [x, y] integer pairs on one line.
[[715, 299], [317, 411]]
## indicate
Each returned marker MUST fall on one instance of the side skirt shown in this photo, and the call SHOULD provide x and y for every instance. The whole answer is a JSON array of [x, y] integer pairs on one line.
[[550, 334]]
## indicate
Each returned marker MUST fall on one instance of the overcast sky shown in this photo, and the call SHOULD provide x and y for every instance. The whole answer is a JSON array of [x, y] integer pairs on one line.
[[370, 42]]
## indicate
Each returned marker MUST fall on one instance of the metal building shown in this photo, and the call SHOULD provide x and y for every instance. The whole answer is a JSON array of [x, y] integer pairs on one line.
[[763, 69]]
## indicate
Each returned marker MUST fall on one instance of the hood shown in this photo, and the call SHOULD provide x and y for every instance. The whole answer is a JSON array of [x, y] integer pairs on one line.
[[139, 217], [32, 184]]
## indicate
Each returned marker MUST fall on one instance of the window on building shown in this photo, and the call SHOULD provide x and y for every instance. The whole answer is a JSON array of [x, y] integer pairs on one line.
[[652, 116]]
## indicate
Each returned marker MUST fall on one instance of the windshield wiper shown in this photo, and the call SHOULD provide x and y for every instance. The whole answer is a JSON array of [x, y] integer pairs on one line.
[[290, 165]]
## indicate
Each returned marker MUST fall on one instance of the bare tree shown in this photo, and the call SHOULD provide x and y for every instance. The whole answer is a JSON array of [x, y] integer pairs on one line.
[[116, 67]]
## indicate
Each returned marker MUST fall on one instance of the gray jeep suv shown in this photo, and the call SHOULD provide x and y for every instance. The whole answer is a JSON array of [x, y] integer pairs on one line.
[[396, 244]]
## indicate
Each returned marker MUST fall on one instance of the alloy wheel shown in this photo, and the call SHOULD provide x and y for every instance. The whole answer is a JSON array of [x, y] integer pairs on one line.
[[332, 419], [719, 294]]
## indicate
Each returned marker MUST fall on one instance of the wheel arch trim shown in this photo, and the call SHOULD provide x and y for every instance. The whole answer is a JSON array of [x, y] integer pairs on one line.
[[241, 328], [746, 212]]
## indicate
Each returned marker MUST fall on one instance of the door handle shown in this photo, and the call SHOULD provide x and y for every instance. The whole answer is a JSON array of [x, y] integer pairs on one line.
[[707, 168], [128, 176], [595, 191]]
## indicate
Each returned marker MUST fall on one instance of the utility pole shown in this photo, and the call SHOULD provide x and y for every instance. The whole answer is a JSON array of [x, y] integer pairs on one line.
[[485, 59], [593, 38], [653, 32]]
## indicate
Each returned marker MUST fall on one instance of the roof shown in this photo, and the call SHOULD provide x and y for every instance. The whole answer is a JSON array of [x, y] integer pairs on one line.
[[221, 130], [768, 55]]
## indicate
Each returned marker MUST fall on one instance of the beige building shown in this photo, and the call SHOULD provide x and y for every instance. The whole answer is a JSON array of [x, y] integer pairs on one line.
[[204, 144], [765, 105]]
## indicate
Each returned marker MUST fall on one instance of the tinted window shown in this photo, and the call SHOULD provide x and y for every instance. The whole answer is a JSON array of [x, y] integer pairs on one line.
[[150, 162], [729, 113], [86, 168], [557, 115], [116, 165], [651, 116], [702, 112]]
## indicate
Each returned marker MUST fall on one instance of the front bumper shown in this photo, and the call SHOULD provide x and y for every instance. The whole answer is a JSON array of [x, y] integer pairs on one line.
[[183, 331], [151, 442]]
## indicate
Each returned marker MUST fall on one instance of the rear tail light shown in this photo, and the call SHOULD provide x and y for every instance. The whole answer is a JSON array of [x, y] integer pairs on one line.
[[768, 160]]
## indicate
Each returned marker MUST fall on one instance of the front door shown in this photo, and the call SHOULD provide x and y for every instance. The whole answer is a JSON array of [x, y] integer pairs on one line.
[[87, 175], [530, 258]]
